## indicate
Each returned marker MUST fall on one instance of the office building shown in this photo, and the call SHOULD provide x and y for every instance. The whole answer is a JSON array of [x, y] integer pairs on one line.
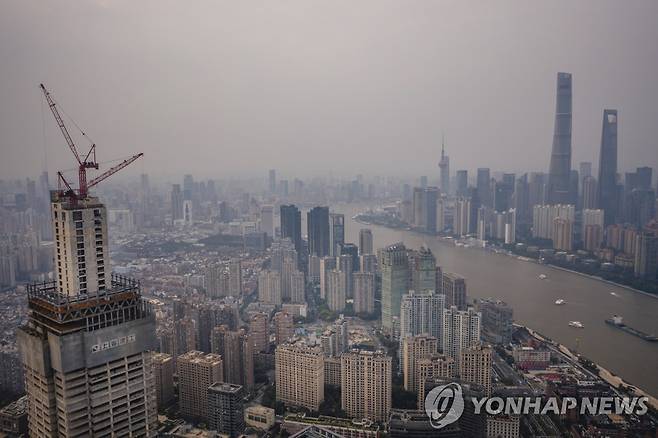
[[364, 292], [317, 222], [475, 366], [226, 409], [259, 417], [454, 289], [267, 220], [196, 372], [368, 263], [483, 187], [462, 183], [272, 181], [291, 226], [366, 384], [176, 203], [422, 267], [415, 348], [299, 370], [646, 255], [607, 194], [444, 170], [394, 267], [461, 329], [559, 174], [365, 241], [82, 325], [327, 264], [163, 372], [336, 233]]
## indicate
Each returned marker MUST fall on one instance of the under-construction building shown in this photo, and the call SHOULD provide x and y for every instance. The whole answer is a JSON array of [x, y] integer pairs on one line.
[[86, 346]]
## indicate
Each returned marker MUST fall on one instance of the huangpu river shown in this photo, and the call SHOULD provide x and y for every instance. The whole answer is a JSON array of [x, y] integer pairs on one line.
[[517, 282]]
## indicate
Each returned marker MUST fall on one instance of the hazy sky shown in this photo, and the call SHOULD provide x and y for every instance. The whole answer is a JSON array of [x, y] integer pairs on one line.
[[228, 88]]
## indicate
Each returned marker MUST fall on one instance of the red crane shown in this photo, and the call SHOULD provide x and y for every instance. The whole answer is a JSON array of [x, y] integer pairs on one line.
[[89, 161]]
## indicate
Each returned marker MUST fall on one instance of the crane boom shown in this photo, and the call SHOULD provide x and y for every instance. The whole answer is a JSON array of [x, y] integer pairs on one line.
[[60, 123], [113, 170]]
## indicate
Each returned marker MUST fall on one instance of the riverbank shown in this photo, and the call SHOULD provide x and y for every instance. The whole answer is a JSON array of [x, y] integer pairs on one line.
[[603, 373]]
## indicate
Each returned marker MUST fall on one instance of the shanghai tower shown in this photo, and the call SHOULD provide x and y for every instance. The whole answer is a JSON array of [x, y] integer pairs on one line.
[[559, 174], [607, 190]]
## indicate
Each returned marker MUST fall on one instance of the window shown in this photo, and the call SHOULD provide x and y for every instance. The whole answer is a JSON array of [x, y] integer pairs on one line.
[[78, 232], [78, 225], [97, 212], [77, 215], [81, 252], [81, 246]]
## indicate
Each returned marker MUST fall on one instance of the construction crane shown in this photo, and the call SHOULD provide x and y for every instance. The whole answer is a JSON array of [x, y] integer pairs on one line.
[[89, 161]]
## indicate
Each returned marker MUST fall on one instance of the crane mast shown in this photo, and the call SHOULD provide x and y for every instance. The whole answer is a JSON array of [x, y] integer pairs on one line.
[[89, 161]]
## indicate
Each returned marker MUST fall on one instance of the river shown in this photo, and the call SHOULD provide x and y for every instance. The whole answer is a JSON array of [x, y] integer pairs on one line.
[[517, 282]]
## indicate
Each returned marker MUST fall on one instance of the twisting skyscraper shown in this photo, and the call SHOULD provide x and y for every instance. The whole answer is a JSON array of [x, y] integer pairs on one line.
[[607, 188], [560, 169]]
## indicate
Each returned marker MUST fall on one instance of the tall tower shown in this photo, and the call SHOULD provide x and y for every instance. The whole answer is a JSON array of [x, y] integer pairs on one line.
[[86, 347], [559, 173], [317, 223], [607, 193], [394, 265], [444, 168]]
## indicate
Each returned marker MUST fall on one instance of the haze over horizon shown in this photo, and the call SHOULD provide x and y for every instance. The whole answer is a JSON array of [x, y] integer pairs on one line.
[[235, 88]]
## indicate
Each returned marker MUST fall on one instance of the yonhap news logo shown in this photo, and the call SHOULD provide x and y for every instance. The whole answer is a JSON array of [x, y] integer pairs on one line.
[[445, 404]]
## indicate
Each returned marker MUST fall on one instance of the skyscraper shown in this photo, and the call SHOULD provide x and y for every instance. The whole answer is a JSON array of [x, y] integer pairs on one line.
[[365, 241], [366, 384], [462, 183], [454, 289], [269, 287], [422, 268], [272, 181], [336, 282], [291, 225], [415, 348], [267, 220], [317, 223], [259, 331], [336, 233], [483, 187], [284, 327], [87, 337], [559, 173], [176, 203], [394, 267], [364, 292], [607, 194], [163, 371], [422, 312], [475, 366]]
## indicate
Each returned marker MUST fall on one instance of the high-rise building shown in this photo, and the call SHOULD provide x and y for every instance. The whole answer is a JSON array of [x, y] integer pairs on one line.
[[432, 367], [176, 203], [237, 351], [336, 233], [483, 187], [364, 292], [430, 197], [462, 183], [188, 212], [422, 267], [415, 348], [297, 288], [336, 282], [543, 219], [284, 327], [226, 409], [196, 372], [607, 194], [346, 264], [646, 255], [461, 329], [559, 174], [454, 289], [444, 170], [235, 278], [327, 264], [88, 336], [259, 331], [590, 188], [317, 223], [419, 205], [272, 181], [421, 313], [163, 371], [291, 226], [366, 384], [368, 263], [365, 241], [475, 366], [267, 220], [562, 234], [394, 267], [299, 370], [269, 287], [462, 217], [497, 319]]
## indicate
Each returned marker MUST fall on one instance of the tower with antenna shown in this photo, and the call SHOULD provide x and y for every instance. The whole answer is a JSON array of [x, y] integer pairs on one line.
[[444, 168]]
